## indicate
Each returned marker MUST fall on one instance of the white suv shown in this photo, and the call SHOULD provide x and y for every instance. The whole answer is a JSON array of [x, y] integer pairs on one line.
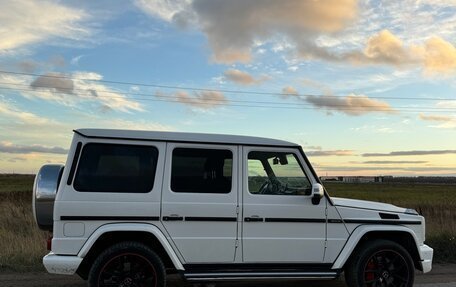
[[130, 206]]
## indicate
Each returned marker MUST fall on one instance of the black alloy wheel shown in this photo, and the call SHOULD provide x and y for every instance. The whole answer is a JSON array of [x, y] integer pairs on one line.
[[127, 264], [386, 268], [380, 263]]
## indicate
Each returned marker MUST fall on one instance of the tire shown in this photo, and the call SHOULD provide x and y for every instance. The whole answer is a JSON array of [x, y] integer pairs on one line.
[[127, 264], [380, 263]]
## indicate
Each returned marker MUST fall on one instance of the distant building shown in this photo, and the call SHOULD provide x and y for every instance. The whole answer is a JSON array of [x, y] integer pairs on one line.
[[355, 179]]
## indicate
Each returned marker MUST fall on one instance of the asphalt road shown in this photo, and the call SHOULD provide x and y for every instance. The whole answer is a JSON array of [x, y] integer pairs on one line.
[[443, 275]]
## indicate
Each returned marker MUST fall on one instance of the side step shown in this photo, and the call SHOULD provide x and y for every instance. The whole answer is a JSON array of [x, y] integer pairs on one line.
[[226, 276], [259, 271]]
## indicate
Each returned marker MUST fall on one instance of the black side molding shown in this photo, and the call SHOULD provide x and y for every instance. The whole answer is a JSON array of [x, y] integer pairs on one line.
[[303, 220], [110, 218], [387, 222], [200, 218]]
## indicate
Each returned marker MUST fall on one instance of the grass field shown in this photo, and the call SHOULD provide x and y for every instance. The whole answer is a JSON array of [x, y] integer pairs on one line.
[[22, 244], [436, 202]]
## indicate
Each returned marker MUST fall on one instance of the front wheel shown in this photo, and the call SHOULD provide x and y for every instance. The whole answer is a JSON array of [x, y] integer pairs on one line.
[[127, 264], [380, 263]]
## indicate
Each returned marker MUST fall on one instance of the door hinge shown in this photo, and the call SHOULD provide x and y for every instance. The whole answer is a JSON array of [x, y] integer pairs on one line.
[[237, 209], [237, 243]]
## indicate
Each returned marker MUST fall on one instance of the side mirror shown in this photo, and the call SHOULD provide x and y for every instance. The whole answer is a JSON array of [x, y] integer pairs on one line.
[[317, 193]]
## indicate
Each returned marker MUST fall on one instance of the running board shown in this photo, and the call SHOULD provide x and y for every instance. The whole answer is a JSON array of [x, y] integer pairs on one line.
[[225, 276]]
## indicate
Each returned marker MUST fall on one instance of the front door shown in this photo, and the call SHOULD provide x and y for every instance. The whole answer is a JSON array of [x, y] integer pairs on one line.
[[200, 200], [280, 223]]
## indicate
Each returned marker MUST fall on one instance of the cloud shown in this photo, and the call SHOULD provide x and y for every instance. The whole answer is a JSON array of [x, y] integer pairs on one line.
[[54, 81], [439, 56], [17, 159], [435, 55], [289, 91], [28, 66], [435, 118], [78, 87], [8, 147], [325, 90], [203, 99], [243, 78], [412, 152], [165, 9], [353, 105], [330, 153], [18, 116], [331, 30], [446, 122], [312, 147], [233, 27], [386, 48], [28, 22], [75, 60]]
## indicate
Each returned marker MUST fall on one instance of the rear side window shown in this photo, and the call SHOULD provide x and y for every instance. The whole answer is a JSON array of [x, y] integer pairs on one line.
[[116, 168], [201, 170]]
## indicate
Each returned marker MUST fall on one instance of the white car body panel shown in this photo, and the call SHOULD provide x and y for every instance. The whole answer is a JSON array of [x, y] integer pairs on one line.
[[216, 238], [325, 234], [358, 233]]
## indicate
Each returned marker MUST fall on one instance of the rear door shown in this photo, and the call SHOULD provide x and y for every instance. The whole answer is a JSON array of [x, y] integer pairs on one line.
[[200, 200], [280, 223]]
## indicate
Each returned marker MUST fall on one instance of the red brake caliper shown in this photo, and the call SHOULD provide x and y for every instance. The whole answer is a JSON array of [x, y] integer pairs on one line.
[[369, 276]]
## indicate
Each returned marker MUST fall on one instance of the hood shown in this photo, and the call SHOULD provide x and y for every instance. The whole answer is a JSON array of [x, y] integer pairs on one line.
[[355, 203]]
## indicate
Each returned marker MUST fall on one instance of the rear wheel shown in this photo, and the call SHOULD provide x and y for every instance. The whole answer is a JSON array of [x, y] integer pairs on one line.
[[127, 264], [380, 263]]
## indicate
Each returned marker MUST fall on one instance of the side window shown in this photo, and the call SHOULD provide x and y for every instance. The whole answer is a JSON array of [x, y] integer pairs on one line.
[[201, 170], [276, 173], [116, 168]]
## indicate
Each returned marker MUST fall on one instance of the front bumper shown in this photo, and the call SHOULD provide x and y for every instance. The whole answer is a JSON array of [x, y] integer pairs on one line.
[[426, 254], [61, 264]]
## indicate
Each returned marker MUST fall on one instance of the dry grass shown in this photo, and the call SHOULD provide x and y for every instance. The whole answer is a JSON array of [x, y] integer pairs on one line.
[[21, 242], [437, 203]]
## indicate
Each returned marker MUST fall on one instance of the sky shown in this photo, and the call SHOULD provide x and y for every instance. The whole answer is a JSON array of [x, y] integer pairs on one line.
[[366, 87]]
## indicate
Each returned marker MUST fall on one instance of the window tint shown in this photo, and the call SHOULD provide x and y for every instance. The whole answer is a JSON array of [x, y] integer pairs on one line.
[[276, 173], [201, 170], [116, 168]]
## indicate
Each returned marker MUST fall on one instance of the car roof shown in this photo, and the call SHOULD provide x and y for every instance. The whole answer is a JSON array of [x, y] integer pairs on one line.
[[181, 137]]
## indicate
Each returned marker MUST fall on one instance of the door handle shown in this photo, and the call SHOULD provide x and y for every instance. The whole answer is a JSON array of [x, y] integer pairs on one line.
[[254, 218], [173, 217]]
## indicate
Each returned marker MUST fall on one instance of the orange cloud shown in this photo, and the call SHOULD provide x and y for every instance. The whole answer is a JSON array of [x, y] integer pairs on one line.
[[243, 78], [440, 56], [435, 118], [231, 38], [434, 56], [289, 91], [386, 48], [204, 99], [353, 105]]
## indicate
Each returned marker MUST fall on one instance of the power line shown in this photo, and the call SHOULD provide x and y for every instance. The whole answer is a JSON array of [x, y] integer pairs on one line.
[[175, 98], [216, 102], [228, 91]]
